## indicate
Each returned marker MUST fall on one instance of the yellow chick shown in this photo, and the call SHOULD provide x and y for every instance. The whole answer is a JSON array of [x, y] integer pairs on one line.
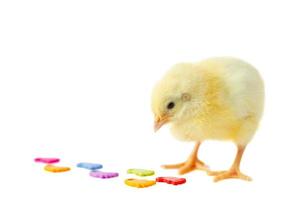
[[217, 99]]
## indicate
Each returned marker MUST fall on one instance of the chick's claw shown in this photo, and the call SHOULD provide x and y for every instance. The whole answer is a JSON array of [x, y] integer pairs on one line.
[[222, 175], [202, 166], [215, 173], [188, 166], [173, 166]]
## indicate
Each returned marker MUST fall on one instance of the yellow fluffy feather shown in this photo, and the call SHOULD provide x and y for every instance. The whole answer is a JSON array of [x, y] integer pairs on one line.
[[219, 98]]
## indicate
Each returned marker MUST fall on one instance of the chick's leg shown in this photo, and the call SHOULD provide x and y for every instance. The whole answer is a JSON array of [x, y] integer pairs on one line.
[[234, 171], [191, 164]]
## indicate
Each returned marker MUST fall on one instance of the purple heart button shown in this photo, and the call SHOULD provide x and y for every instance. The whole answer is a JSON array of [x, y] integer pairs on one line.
[[103, 175]]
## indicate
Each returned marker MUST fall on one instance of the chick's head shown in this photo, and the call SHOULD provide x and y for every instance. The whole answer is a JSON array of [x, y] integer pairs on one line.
[[173, 97]]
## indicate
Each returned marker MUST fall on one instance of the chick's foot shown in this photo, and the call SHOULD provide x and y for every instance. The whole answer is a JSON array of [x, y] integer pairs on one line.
[[232, 173], [188, 166]]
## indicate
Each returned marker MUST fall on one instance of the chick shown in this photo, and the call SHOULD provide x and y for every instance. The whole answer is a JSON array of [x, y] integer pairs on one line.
[[217, 99]]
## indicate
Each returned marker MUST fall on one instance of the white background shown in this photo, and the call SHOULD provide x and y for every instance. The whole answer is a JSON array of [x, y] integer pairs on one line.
[[76, 79]]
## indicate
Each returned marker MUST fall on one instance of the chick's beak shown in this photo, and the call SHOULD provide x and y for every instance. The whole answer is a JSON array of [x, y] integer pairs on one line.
[[160, 121]]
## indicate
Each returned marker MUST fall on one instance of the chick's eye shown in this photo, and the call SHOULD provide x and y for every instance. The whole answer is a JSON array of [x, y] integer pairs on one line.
[[170, 105]]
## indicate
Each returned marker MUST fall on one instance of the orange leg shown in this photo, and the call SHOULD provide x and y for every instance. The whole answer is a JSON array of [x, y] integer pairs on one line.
[[191, 164], [234, 171]]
